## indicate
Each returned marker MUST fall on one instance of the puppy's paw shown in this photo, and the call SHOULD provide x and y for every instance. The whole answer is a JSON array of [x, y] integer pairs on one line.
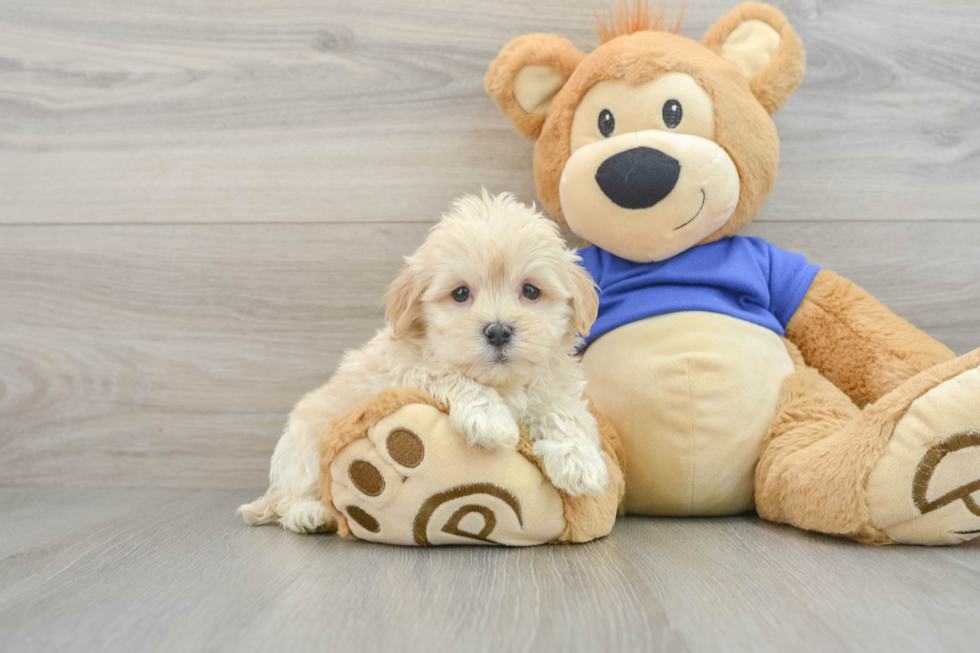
[[308, 517], [572, 468], [489, 425], [259, 512]]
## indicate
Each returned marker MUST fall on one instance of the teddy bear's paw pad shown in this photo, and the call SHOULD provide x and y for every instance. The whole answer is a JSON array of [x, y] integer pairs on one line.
[[926, 487], [415, 481]]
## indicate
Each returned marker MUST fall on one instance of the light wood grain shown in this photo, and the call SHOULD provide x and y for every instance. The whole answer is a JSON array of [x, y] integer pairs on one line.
[[159, 570], [336, 111], [169, 355]]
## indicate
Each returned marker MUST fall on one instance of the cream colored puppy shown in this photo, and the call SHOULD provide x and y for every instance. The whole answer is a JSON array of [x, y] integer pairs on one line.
[[485, 318]]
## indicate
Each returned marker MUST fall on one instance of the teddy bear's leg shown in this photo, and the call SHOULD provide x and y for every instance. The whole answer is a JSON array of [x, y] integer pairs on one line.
[[811, 409], [905, 469], [393, 470]]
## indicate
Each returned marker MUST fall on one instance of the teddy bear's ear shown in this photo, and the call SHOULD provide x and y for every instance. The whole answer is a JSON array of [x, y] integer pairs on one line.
[[526, 76], [759, 41]]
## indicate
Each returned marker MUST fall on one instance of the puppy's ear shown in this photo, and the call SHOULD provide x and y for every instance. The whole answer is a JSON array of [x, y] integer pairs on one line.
[[526, 76], [585, 299], [402, 301], [759, 41]]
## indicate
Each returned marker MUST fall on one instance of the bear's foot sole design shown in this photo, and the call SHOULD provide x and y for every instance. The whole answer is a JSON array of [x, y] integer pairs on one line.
[[925, 489], [415, 481]]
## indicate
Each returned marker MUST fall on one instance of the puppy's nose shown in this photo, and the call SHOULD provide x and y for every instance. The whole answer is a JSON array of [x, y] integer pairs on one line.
[[498, 334]]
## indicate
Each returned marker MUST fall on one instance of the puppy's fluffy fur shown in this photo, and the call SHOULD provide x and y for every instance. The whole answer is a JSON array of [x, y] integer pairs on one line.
[[493, 246]]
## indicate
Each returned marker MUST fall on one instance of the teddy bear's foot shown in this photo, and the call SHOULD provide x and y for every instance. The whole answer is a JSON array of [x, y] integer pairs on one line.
[[393, 470], [925, 489], [414, 481]]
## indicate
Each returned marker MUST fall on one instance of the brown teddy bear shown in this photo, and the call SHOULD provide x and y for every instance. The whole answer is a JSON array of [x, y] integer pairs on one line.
[[738, 375]]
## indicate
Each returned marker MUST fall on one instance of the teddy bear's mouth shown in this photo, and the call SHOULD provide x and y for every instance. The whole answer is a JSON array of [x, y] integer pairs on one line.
[[700, 208]]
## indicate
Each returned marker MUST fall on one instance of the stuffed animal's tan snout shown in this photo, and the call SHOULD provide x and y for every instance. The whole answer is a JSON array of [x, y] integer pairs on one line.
[[650, 194]]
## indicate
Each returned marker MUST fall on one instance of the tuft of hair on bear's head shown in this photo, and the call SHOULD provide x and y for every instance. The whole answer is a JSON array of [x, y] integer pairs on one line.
[[639, 16]]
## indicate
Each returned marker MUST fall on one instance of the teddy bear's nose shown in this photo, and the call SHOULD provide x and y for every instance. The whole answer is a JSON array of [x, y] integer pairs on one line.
[[638, 178]]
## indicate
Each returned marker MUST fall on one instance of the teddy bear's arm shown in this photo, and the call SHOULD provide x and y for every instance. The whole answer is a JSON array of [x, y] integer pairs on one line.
[[857, 343]]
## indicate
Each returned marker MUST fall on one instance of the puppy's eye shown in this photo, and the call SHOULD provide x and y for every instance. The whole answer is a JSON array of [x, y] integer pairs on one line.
[[461, 294], [607, 124], [530, 292], [672, 113]]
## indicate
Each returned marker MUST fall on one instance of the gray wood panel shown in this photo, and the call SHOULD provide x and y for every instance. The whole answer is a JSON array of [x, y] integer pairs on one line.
[[175, 570], [338, 111], [169, 355]]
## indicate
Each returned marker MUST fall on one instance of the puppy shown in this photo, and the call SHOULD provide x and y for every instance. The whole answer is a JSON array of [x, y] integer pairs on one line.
[[485, 317]]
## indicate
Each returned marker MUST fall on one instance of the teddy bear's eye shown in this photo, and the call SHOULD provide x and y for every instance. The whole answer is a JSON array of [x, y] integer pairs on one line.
[[672, 113], [606, 123]]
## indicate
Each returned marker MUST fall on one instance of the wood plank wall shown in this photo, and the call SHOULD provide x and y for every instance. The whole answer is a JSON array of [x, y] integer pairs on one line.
[[201, 203]]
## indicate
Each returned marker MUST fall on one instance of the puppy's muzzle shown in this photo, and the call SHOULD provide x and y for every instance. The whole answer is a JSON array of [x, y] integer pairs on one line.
[[498, 334]]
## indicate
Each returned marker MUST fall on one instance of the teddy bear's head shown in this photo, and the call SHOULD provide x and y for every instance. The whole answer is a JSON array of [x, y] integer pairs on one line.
[[653, 143]]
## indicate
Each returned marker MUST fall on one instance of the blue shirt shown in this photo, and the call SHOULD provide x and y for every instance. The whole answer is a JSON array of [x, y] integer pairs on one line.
[[739, 276]]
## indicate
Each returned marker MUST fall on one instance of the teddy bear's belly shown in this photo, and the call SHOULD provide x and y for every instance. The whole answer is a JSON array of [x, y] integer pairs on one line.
[[692, 395]]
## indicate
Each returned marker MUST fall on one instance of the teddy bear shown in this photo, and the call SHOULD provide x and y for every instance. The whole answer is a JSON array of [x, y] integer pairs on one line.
[[737, 375], [726, 374]]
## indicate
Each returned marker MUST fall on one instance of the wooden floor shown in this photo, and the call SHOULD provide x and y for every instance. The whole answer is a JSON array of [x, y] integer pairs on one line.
[[200, 207], [171, 570]]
